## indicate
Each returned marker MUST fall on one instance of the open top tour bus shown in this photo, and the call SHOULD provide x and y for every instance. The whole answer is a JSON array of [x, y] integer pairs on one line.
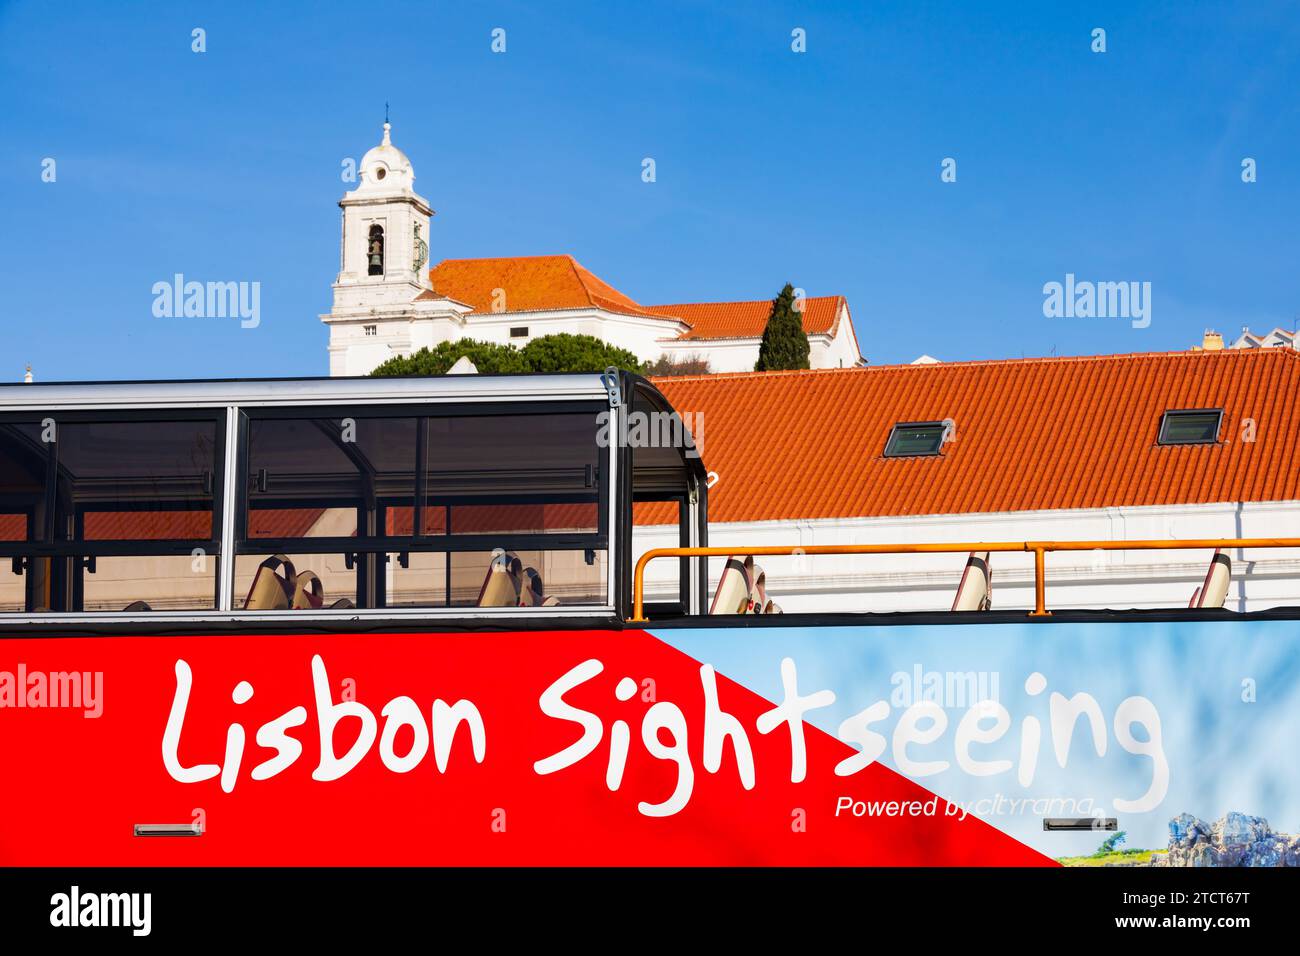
[[410, 621]]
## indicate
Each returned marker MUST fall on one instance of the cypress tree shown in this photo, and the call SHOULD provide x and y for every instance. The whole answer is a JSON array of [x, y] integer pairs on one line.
[[785, 344]]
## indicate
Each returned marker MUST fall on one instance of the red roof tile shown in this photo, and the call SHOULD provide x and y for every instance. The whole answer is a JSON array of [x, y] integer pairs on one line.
[[1031, 434], [737, 320], [529, 284], [546, 283]]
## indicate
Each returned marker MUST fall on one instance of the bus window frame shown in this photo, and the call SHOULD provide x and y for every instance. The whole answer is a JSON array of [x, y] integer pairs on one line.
[[369, 552], [68, 556], [691, 497], [311, 397]]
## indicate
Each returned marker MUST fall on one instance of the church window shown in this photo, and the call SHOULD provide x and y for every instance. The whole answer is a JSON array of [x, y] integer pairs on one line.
[[375, 253]]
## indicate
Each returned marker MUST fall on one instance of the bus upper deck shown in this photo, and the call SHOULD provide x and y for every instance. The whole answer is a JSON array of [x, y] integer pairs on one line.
[[335, 498], [423, 499]]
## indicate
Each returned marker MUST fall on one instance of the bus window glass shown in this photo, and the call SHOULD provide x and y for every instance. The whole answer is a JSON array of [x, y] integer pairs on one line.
[[125, 503], [539, 579], [136, 480], [337, 497], [314, 477], [24, 463], [265, 582], [151, 583]]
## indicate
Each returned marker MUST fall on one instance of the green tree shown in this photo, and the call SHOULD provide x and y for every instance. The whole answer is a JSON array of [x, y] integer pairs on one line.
[[488, 357], [576, 353], [1111, 843], [550, 353], [785, 344]]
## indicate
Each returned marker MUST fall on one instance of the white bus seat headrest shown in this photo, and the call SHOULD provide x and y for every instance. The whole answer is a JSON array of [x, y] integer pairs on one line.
[[975, 592], [1214, 591], [732, 594]]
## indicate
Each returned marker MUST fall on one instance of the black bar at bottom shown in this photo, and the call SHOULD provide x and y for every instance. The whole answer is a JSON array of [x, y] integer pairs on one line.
[[670, 905]]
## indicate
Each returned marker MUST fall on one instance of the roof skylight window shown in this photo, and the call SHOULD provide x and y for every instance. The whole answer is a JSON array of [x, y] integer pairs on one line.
[[1190, 426], [915, 439]]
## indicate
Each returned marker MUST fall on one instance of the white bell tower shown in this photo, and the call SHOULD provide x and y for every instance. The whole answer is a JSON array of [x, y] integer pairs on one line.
[[383, 266], [385, 231]]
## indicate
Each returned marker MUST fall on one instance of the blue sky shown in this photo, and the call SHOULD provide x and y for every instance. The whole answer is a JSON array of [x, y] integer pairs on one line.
[[821, 168]]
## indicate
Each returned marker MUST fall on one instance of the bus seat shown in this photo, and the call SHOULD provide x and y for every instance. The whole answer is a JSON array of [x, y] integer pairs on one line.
[[531, 591], [734, 587], [975, 592], [503, 581], [272, 588], [551, 601], [138, 606], [758, 601], [308, 592], [343, 604], [772, 608], [1214, 591]]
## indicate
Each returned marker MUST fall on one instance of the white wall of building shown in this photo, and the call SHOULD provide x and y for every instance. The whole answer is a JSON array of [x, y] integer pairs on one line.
[[1261, 579], [639, 335]]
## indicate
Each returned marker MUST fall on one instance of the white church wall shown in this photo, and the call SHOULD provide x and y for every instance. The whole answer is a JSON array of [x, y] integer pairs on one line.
[[840, 350], [723, 355]]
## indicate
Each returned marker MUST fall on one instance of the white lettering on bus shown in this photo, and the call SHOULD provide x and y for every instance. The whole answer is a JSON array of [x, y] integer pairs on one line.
[[445, 719], [665, 732]]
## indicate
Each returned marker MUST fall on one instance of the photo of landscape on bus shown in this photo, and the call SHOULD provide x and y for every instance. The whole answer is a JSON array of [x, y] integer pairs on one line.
[[814, 452]]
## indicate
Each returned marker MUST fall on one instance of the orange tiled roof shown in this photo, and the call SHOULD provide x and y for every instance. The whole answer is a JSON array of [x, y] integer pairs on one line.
[[1031, 434], [545, 283], [743, 320], [530, 284]]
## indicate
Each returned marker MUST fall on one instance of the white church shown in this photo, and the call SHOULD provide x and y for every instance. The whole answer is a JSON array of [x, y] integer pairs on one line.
[[388, 302]]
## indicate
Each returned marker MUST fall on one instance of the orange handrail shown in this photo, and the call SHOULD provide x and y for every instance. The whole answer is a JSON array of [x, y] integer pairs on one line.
[[1039, 549]]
